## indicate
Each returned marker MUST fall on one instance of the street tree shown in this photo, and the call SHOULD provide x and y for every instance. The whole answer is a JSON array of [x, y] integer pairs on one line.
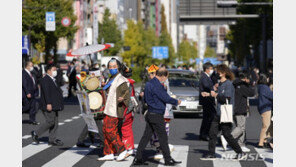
[[109, 30], [33, 24]]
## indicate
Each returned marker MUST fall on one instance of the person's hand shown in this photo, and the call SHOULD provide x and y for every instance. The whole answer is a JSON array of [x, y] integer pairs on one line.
[[248, 80], [29, 95], [120, 99], [179, 102], [213, 94], [142, 94], [49, 107], [205, 94]]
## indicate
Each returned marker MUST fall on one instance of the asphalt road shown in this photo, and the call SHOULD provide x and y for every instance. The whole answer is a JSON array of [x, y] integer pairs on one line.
[[184, 133]]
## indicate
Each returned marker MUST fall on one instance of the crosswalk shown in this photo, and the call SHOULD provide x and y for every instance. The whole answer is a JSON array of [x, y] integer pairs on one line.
[[73, 155]]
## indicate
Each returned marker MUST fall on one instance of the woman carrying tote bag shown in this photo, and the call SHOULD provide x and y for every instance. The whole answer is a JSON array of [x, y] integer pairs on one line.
[[224, 95]]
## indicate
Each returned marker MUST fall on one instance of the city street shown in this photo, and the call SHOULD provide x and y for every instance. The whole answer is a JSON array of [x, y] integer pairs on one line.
[[184, 133]]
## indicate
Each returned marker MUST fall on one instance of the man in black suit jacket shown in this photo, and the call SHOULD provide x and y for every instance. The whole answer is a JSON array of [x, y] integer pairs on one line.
[[71, 73], [30, 91], [206, 87], [51, 102]]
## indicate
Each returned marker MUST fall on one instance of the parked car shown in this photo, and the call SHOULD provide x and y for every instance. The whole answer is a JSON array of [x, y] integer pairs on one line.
[[184, 86]]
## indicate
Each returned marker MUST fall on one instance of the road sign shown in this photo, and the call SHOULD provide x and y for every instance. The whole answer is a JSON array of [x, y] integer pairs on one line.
[[66, 21], [126, 48], [25, 44], [160, 52], [50, 24]]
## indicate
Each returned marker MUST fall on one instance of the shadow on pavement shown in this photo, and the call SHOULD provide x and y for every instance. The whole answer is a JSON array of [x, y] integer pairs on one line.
[[187, 115], [191, 136]]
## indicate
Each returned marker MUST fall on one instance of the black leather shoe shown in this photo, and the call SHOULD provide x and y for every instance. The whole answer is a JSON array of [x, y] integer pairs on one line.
[[34, 123], [208, 157], [138, 162], [34, 137], [172, 162], [80, 144], [204, 138], [57, 142]]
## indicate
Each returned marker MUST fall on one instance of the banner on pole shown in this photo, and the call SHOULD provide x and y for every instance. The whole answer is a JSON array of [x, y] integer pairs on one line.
[[86, 112], [50, 24]]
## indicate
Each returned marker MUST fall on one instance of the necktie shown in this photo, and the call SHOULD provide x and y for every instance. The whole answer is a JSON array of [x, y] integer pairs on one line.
[[32, 78]]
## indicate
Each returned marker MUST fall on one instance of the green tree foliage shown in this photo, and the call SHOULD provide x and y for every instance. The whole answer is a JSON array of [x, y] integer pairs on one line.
[[166, 40], [33, 23], [249, 31], [210, 52], [108, 30], [187, 51], [150, 40], [133, 37]]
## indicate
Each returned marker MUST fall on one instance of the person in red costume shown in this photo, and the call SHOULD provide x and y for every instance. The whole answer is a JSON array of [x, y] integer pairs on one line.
[[126, 129]]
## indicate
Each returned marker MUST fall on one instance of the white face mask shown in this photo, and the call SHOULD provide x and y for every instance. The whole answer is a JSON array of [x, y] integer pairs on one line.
[[211, 72], [54, 73], [31, 69]]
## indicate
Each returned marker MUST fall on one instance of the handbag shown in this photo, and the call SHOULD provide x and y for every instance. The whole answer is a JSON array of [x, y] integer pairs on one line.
[[226, 113]]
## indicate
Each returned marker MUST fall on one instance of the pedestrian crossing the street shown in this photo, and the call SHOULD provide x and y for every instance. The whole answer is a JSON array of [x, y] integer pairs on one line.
[[73, 155]]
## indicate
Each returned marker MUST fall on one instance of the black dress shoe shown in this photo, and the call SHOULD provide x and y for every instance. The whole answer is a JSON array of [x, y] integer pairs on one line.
[[138, 162], [57, 142], [80, 144], [34, 123], [172, 162], [204, 138], [34, 137], [208, 157]]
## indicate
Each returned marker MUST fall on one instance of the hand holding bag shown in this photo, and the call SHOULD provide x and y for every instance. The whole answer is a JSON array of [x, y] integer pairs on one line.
[[226, 113]]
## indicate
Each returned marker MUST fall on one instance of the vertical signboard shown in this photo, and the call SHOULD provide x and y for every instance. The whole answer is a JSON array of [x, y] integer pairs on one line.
[[50, 24]]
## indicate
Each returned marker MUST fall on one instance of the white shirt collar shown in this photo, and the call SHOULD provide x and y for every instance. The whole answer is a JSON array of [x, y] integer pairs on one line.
[[51, 77], [28, 71], [207, 74]]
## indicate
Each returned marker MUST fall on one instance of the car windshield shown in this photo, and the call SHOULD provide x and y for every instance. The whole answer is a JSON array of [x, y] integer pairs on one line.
[[183, 80]]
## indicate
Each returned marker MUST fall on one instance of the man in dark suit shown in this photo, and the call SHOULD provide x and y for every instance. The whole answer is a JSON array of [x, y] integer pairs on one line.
[[71, 73], [206, 87], [51, 103], [30, 90]]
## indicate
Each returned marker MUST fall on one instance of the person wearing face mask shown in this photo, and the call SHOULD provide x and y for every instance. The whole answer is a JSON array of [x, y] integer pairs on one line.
[[156, 98], [51, 102], [206, 86], [118, 97], [30, 90]]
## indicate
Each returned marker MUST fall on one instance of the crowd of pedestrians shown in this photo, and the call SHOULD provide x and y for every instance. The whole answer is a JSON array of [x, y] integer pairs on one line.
[[218, 86]]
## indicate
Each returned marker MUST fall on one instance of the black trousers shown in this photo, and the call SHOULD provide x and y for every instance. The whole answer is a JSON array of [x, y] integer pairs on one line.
[[208, 115], [33, 109], [226, 128], [71, 84], [154, 123], [51, 123], [85, 132]]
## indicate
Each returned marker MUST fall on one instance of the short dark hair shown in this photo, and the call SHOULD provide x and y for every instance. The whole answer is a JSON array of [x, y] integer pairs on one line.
[[162, 72], [27, 63], [50, 66], [103, 65], [262, 79], [243, 75], [207, 65]]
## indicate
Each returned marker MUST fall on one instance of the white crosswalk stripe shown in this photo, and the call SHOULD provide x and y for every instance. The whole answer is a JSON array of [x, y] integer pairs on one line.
[[69, 157], [68, 120], [224, 158], [76, 117], [61, 123], [180, 153], [26, 137], [267, 154], [32, 149]]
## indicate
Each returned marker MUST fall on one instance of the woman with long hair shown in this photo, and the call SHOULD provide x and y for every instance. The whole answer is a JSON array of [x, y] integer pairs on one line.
[[265, 97], [224, 94]]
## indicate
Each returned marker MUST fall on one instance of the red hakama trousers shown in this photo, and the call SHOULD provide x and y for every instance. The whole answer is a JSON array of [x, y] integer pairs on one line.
[[127, 131]]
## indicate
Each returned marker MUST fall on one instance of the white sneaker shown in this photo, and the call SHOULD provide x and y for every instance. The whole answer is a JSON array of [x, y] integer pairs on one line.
[[224, 142], [158, 156], [109, 157], [171, 148], [122, 156], [131, 152], [245, 149]]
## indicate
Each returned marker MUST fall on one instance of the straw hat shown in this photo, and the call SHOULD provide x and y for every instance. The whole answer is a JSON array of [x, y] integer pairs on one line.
[[92, 83], [95, 100]]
